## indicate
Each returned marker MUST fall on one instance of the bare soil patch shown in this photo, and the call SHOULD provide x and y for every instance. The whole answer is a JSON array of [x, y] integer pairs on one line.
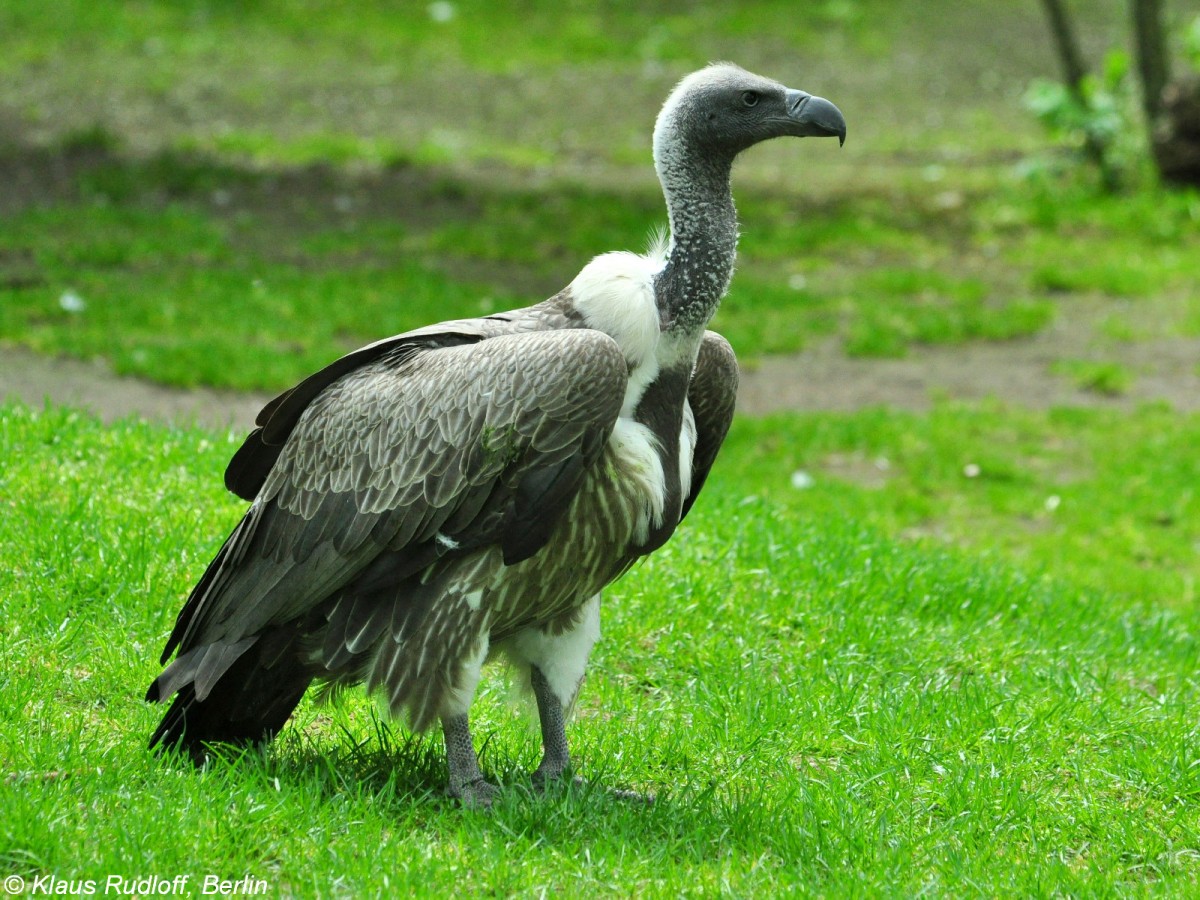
[[822, 378], [1020, 373], [38, 380]]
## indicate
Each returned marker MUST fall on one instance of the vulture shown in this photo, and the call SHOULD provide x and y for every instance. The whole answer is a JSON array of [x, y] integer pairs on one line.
[[468, 489]]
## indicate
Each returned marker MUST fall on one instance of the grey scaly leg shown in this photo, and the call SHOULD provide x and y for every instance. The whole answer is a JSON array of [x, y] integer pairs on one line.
[[556, 758], [466, 781]]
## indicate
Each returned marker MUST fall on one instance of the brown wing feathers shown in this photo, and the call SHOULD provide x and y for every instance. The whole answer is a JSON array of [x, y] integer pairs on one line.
[[712, 395], [470, 443]]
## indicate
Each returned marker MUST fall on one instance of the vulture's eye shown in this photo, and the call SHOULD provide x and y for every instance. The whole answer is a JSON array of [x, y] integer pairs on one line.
[[750, 98]]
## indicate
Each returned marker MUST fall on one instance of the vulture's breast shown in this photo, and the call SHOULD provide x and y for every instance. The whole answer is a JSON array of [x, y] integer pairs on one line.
[[620, 504]]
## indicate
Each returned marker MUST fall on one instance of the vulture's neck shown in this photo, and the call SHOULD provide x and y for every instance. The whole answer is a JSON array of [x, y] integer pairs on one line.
[[703, 238]]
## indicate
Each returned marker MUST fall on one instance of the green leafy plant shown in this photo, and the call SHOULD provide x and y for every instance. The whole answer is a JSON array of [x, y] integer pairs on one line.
[[1191, 43], [1099, 116]]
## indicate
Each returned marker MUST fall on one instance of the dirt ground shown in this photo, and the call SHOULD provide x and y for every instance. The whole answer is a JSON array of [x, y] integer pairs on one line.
[[821, 378], [1023, 372]]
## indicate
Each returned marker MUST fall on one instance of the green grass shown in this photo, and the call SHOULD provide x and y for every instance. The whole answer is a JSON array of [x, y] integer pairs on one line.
[[153, 283], [1106, 378], [1105, 499], [822, 706], [537, 34], [299, 265]]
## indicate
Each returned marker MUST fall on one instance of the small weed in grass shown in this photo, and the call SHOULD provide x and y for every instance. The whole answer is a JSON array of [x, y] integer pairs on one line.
[[1107, 378]]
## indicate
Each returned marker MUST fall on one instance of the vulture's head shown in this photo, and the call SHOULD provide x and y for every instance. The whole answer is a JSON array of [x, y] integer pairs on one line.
[[722, 110]]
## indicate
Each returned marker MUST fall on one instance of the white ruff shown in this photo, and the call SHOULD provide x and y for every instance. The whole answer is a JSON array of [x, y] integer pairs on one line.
[[615, 294]]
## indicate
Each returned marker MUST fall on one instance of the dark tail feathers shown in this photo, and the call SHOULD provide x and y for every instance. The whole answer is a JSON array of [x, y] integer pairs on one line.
[[249, 702]]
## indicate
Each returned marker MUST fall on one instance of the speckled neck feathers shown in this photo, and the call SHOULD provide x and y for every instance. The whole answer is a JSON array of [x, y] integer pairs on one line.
[[695, 181]]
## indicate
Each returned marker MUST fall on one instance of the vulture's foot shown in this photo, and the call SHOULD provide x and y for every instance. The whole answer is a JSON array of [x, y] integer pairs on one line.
[[542, 785], [478, 794], [546, 777], [618, 794], [631, 797], [467, 783]]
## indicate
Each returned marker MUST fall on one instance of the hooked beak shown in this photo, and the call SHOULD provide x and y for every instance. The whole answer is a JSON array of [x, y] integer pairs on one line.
[[814, 117]]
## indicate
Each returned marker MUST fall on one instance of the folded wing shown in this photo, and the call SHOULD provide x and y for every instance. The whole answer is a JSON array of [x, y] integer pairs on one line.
[[417, 451]]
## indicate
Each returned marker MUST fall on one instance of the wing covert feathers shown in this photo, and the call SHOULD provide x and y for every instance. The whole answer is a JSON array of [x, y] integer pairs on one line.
[[401, 462], [252, 462]]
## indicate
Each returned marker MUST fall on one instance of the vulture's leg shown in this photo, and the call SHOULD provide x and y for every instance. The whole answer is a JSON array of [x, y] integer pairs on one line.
[[466, 781], [556, 758], [557, 656], [556, 667]]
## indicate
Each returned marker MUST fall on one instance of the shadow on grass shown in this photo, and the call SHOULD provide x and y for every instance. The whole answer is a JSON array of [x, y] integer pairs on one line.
[[91, 166], [401, 777]]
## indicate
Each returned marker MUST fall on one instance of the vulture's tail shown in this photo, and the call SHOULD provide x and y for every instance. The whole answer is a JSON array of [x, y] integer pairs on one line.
[[239, 694]]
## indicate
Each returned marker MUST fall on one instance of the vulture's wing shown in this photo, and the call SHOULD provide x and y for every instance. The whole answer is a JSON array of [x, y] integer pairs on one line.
[[712, 394], [416, 455], [249, 467], [246, 472]]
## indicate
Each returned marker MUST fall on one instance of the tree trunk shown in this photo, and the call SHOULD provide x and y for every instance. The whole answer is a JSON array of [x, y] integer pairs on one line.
[[1067, 45], [1073, 74], [1151, 53], [1176, 136]]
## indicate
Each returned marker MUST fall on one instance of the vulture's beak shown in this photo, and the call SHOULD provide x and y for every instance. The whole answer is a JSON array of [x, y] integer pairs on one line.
[[815, 117]]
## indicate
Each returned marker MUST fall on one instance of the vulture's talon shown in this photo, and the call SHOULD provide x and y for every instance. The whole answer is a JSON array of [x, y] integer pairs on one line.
[[565, 783], [547, 780], [478, 794], [632, 797]]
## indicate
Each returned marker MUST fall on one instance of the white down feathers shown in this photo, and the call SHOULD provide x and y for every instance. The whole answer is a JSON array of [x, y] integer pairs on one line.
[[615, 294]]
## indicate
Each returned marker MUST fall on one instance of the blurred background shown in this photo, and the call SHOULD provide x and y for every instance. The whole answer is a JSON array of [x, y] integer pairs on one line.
[[223, 196], [311, 176]]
